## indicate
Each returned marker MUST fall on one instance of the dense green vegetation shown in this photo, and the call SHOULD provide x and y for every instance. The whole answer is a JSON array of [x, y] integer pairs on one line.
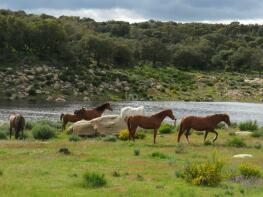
[[43, 58], [73, 42]]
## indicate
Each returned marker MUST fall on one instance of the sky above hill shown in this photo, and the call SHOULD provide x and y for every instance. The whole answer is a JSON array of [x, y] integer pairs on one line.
[[222, 11]]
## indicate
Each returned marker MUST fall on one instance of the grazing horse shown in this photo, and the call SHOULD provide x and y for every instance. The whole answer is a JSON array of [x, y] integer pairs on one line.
[[84, 114], [132, 111], [147, 122], [17, 122], [207, 124]]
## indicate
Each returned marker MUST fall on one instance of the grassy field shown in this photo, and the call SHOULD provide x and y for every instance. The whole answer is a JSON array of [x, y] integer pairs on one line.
[[36, 168]]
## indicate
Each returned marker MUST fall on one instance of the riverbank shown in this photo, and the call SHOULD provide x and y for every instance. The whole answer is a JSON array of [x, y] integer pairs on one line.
[[51, 83]]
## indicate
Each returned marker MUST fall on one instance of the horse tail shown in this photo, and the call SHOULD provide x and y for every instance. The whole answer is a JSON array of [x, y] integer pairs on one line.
[[129, 126], [180, 129], [61, 116]]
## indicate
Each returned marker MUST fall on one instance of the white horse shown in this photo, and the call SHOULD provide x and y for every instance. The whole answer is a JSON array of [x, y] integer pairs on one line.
[[132, 111]]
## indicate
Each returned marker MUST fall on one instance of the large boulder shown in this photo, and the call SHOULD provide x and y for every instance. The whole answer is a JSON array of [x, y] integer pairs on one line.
[[105, 125]]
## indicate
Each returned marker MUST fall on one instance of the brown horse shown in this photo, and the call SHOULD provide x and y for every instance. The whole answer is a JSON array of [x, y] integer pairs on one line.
[[207, 124], [17, 122], [147, 122], [84, 114]]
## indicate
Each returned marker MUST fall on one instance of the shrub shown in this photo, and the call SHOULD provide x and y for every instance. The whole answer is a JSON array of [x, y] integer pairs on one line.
[[124, 135], [4, 131], [43, 132], [257, 145], [220, 126], [208, 173], [110, 138], [258, 133], [166, 128], [236, 142], [1, 172], [248, 125], [159, 155], [250, 171], [232, 133], [94, 179], [3, 135], [136, 152], [179, 148], [53, 124], [29, 125], [208, 143], [74, 138]]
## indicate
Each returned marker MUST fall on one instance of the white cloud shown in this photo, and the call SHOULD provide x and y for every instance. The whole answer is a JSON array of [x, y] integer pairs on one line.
[[118, 14]]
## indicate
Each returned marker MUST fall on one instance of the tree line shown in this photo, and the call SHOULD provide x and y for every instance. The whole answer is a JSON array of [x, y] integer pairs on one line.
[[73, 41]]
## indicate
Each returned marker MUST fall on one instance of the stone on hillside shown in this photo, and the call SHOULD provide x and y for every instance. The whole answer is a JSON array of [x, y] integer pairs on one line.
[[243, 133], [243, 156], [39, 70], [60, 99], [49, 98], [126, 89]]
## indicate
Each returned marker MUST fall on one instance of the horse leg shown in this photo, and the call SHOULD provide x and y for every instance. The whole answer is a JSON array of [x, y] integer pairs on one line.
[[16, 133], [133, 133], [154, 135], [22, 134], [187, 134], [206, 133], [10, 132], [215, 136]]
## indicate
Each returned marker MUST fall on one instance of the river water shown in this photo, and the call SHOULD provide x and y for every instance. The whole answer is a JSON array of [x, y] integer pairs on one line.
[[51, 111]]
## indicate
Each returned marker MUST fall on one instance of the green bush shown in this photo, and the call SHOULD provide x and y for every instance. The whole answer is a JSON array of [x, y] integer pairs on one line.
[[248, 125], [159, 155], [258, 133], [29, 125], [257, 145], [136, 152], [110, 138], [4, 131], [236, 142], [207, 173], [179, 148], [124, 135], [74, 138], [220, 126], [93, 180], [53, 124], [3, 135], [250, 171], [1, 172], [43, 132], [166, 128]]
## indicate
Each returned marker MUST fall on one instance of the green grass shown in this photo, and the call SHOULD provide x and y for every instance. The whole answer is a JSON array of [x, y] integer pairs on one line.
[[248, 125], [36, 168]]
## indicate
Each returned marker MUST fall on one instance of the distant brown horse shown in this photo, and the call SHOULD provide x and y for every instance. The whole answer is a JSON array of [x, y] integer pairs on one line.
[[147, 122], [17, 122], [84, 114], [207, 124]]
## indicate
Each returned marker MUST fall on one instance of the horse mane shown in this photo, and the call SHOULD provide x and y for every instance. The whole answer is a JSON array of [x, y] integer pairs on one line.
[[217, 115], [102, 107], [161, 113]]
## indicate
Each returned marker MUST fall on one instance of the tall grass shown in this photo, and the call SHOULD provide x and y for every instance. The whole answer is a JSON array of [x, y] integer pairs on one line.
[[93, 180], [248, 125], [43, 132]]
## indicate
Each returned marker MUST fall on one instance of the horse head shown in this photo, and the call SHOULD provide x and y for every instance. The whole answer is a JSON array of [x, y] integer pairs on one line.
[[108, 106], [226, 119], [169, 113]]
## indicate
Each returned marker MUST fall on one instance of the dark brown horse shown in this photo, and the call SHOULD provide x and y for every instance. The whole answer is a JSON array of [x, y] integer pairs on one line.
[[86, 114], [147, 122], [17, 122], [207, 124]]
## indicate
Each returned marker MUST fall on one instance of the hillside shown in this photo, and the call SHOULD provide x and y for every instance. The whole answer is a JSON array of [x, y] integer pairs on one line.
[[43, 57]]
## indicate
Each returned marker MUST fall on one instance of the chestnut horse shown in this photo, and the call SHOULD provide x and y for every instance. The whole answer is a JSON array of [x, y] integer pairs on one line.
[[147, 122], [86, 114], [17, 122], [207, 124]]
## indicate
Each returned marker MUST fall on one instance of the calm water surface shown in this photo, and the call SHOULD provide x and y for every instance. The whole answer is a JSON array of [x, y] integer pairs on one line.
[[52, 111]]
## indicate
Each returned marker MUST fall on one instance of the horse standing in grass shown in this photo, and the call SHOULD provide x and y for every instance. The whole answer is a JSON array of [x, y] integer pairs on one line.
[[147, 122], [86, 114], [207, 124], [17, 122]]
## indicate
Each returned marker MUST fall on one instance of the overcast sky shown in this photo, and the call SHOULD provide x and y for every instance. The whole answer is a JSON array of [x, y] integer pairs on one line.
[[245, 11]]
